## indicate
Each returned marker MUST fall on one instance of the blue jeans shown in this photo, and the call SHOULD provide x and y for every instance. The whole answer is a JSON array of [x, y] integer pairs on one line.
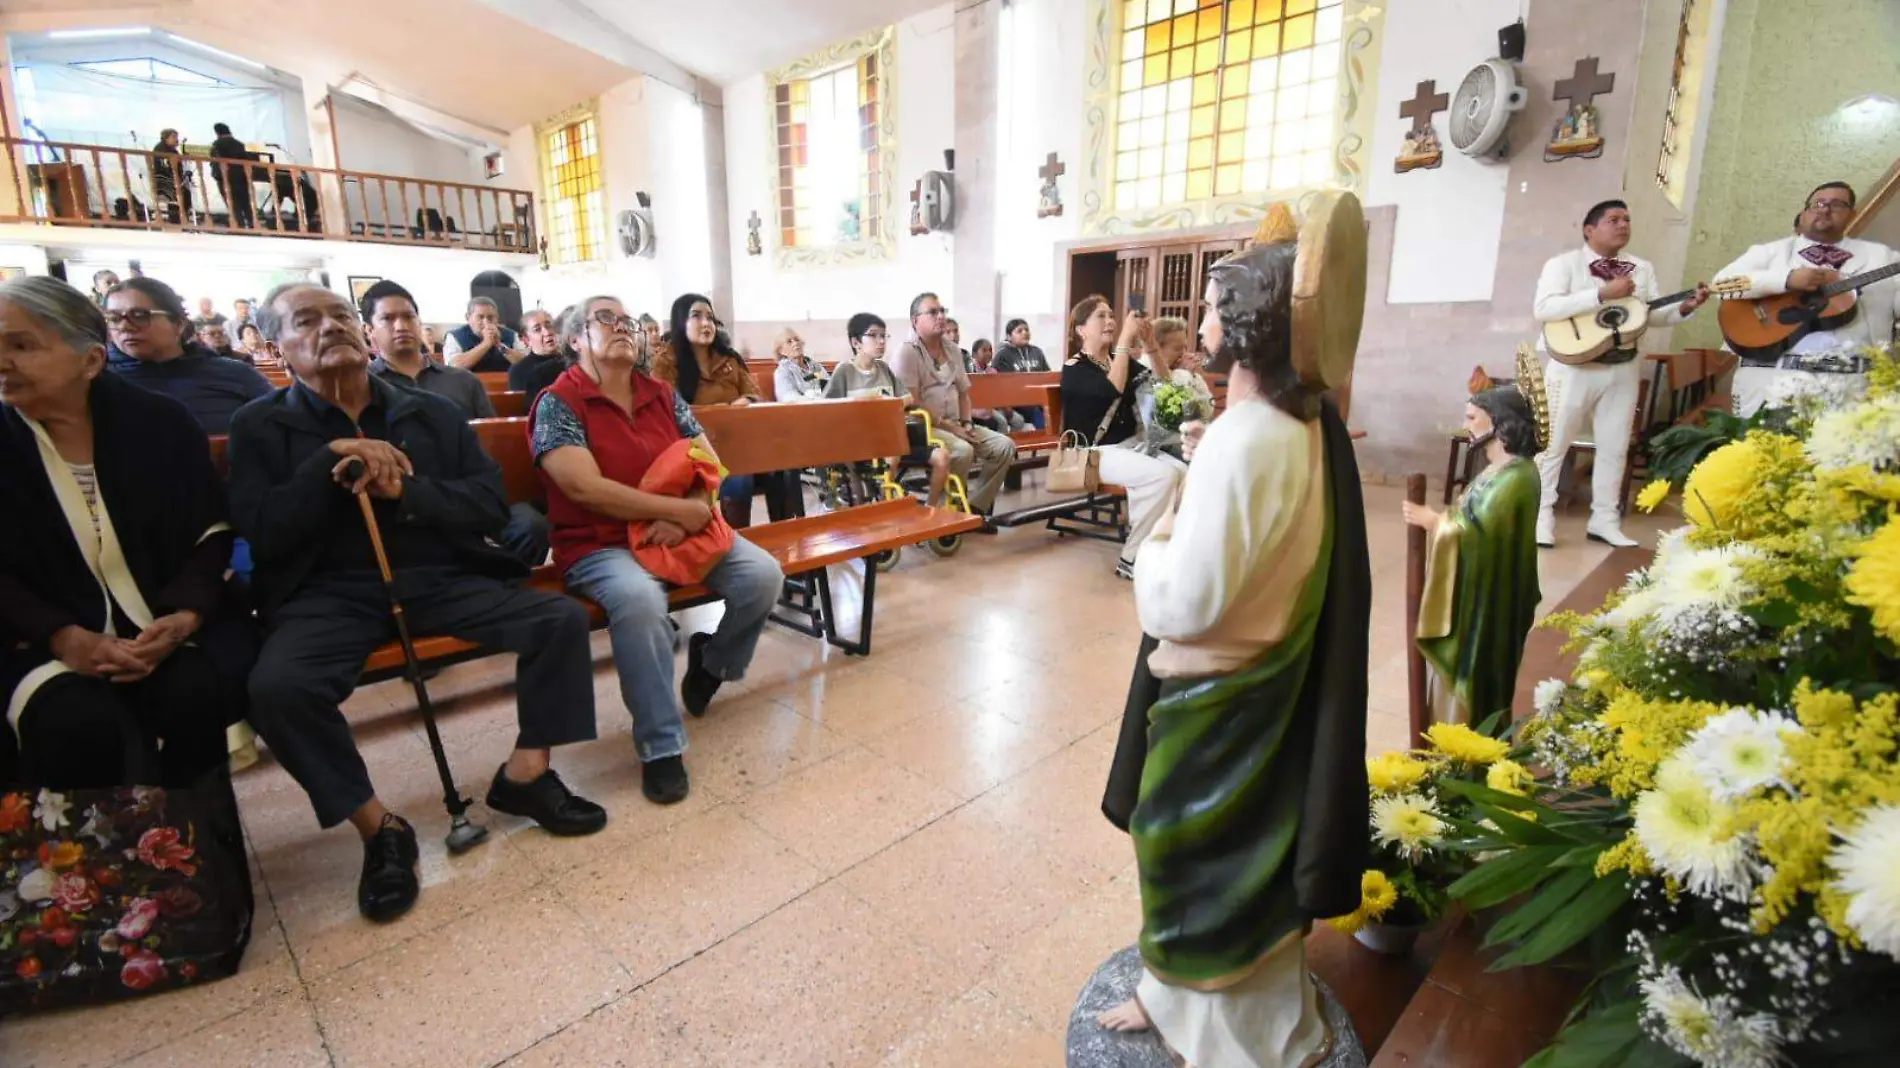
[[635, 602]]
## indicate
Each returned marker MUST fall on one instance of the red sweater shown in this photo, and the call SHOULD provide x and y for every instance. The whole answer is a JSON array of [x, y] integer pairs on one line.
[[623, 446]]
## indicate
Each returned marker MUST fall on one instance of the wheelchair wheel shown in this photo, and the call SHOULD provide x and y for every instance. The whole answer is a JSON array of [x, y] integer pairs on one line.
[[946, 546], [885, 560]]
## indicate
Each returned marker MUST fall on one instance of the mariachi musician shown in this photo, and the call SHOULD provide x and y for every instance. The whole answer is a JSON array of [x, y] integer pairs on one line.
[[1596, 401]]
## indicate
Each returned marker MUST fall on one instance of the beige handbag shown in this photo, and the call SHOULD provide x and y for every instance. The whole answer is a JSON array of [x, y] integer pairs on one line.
[[1077, 467]]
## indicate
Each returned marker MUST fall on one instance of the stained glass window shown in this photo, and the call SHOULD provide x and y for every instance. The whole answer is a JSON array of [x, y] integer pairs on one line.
[[1672, 162], [1223, 97], [829, 165], [570, 178]]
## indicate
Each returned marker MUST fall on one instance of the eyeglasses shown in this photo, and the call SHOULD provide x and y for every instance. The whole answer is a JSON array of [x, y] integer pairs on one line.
[[934, 312], [1830, 205], [609, 319], [137, 318]]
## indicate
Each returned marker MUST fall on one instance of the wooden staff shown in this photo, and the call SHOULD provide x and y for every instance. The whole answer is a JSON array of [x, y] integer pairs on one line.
[[1420, 713]]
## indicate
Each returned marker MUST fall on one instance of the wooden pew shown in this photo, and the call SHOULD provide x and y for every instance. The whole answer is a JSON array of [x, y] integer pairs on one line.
[[493, 381], [509, 404], [1024, 390]]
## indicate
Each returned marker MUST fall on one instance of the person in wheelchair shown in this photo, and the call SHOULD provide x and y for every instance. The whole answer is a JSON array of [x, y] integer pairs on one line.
[[867, 375]]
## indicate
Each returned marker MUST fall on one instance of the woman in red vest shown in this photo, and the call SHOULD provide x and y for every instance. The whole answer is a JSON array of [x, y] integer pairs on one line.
[[595, 432]]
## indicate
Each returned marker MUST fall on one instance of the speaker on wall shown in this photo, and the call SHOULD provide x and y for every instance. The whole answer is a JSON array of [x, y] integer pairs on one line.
[[500, 287], [1511, 42]]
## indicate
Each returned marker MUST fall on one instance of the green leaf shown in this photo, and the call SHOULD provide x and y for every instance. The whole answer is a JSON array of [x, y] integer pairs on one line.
[[1603, 899], [1505, 877], [1554, 895], [1599, 1040]]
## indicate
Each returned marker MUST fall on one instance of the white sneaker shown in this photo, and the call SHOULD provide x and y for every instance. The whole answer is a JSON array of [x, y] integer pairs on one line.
[[1610, 535], [1546, 530]]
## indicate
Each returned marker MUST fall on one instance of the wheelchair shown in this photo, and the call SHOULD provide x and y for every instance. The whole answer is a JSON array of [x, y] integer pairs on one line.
[[873, 480]]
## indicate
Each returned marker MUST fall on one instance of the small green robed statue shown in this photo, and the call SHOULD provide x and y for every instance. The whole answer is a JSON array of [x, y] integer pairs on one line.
[[1481, 592]]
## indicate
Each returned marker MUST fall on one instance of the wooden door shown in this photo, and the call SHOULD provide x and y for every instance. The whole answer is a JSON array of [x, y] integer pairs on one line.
[[1134, 279]]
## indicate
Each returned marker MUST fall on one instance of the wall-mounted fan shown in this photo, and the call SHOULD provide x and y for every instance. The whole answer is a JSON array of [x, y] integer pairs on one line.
[[635, 229], [1482, 108]]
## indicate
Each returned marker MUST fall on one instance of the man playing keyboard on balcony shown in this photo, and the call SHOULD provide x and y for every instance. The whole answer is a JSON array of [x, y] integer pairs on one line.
[[482, 344]]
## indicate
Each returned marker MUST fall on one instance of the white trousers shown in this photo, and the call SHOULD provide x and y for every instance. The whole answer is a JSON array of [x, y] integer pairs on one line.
[[1596, 403], [1151, 482]]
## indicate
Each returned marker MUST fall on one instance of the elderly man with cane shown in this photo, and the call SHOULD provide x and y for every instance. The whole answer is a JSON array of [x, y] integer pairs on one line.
[[299, 458]]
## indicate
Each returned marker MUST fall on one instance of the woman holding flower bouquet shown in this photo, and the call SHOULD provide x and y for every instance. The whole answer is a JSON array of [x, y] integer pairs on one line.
[[1099, 398]]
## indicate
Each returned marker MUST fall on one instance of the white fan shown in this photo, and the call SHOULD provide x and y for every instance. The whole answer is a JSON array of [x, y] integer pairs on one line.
[[1482, 107], [635, 232]]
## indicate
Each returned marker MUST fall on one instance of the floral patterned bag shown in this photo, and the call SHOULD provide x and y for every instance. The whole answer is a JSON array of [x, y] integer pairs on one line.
[[106, 894]]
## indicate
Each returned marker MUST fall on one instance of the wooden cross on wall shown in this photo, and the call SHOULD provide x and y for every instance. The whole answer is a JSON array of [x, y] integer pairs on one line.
[[917, 226], [1583, 85], [1049, 198], [1053, 169], [1425, 104]]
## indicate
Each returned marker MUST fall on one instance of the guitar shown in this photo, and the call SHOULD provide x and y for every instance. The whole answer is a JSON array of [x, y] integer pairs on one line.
[[1617, 324], [1770, 326]]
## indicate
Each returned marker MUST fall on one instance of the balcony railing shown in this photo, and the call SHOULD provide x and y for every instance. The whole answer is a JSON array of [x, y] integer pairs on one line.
[[101, 186]]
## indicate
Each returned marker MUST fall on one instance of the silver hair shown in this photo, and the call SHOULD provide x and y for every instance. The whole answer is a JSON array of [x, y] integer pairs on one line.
[[270, 321], [55, 305], [574, 323], [483, 302]]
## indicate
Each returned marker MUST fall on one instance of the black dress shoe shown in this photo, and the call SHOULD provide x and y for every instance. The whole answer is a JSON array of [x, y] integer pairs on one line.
[[699, 685], [664, 780], [388, 887], [548, 802]]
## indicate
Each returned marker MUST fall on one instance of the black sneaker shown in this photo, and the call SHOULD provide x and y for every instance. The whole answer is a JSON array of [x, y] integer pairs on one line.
[[699, 685], [388, 887], [548, 802], [1125, 569], [664, 780]]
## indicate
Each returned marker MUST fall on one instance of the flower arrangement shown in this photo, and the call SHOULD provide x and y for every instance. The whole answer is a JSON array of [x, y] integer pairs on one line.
[[1181, 399], [1719, 813], [101, 894], [1416, 816]]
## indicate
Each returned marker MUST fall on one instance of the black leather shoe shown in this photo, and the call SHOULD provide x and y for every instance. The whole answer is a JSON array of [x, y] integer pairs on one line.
[[699, 685], [388, 887], [548, 802], [664, 780]]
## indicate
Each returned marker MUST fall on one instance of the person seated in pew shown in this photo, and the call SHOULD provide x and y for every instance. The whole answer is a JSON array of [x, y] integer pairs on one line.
[[437, 498], [547, 357], [215, 337], [1017, 356], [930, 368], [594, 433], [251, 343], [867, 375], [1172, 357], [110, 491], [656, 341], [396, 333], [798, 376], [983, 362], [953, 336], [154, 345], [482, 344], [1098, 403], [704, 368]]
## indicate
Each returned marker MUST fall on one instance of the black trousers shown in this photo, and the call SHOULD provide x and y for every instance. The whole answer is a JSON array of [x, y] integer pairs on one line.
[[167, 729], [316, 643]]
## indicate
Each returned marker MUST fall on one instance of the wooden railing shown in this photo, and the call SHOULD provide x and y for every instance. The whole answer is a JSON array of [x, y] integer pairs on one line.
[[98, 185]]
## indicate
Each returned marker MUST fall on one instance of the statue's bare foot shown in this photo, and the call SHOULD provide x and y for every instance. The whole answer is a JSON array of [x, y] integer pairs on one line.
[[1128, 1016]]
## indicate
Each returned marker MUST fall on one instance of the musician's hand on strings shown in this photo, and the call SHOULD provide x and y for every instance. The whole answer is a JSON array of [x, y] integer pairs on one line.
[[1701, 297], [1420, 516], [1616, 288], [1809, 279]]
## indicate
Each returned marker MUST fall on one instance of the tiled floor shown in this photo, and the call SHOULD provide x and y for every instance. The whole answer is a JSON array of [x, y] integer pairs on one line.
[[890, 861]]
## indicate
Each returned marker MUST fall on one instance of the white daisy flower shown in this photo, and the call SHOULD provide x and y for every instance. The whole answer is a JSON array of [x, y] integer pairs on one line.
[[1407, 822], [1684, 828], [1716, 1032], [1862, 434], [1548, 695], [1697, 578], [1741, 751], [1868, 863], [51, 810]]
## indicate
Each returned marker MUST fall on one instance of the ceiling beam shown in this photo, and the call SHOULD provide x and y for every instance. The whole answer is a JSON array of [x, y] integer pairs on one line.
[[578, 24]]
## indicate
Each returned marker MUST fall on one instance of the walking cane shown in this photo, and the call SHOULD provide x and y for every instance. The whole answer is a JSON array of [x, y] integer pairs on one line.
[[464, 835]]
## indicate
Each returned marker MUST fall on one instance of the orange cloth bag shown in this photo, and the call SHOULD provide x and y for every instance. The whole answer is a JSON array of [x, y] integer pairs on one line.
[[681, 470]]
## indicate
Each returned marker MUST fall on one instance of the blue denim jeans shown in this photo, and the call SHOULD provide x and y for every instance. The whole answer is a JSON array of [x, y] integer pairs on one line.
[[635, 602]]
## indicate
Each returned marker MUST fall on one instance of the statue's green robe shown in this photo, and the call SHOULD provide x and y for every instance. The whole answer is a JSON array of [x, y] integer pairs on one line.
[[1481, 594], [1245, 793]]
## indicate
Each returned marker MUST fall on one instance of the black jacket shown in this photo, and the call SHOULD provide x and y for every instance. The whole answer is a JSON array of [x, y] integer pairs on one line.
[[284, 500], [210, 386]]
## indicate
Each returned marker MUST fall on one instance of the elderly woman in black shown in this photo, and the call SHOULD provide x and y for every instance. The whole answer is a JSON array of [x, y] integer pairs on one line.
[[117, 631]]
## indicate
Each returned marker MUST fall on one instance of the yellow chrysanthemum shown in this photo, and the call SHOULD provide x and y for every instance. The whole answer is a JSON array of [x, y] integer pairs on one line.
[[1508, 777], [1395, 773], [1409, 823], [1716, 487], [1874, 582], [1377, 895], [1653, 495], [1754, 489], [1465, 745]]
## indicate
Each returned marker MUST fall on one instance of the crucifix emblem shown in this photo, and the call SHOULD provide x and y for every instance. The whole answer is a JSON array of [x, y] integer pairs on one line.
[[753, 245], [1050, 201], [917, 209], [1421, 149], [1578, 132]]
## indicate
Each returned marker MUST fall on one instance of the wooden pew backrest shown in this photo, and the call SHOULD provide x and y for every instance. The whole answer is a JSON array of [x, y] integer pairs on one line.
[[510, 404], [506, 442], [1011, 390], [778, 437], [493, 381]]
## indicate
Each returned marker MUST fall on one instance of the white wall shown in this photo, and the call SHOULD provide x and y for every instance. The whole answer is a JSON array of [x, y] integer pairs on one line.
[[1445, 247], [438, 278], [371, 139], [926, 78], [1039, 92], [29, 258]]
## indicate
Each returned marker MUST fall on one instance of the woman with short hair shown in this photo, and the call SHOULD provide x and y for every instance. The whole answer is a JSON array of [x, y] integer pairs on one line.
[[123, 651], [798, 377]]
